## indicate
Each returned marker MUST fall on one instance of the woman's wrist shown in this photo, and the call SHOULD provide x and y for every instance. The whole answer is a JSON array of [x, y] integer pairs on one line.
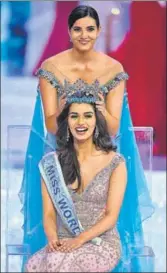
[[50, 229], [82, 238], [51, 234]]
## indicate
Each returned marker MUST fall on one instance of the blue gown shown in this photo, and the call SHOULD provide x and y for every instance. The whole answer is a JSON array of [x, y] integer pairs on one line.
[[137, 205]]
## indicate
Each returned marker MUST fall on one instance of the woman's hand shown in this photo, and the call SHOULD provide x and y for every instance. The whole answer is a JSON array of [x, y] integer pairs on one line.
[[70, 244], [100, 105], [53, 244], [61, 103]]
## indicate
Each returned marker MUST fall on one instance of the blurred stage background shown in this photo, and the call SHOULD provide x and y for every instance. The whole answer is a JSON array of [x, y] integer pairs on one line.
[[134, 33]]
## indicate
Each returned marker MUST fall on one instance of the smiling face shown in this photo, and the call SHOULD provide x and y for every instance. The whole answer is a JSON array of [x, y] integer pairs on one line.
[[84, 33], [81, 121]]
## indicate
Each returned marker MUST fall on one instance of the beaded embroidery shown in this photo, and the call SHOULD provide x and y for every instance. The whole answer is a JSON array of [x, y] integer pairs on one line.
[[49, 76], [80, 91]]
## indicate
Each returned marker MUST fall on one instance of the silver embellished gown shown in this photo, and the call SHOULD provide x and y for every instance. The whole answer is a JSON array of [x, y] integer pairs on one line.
[[90, 206]]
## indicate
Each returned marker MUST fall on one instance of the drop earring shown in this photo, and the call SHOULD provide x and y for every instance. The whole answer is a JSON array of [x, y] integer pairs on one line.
[[96, 132], [68, 135]]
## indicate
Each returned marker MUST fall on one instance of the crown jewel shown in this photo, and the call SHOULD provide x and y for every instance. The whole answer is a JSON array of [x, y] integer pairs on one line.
[[80, 91]]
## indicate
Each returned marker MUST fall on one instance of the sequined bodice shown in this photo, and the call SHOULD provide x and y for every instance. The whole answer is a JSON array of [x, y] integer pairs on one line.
[[91, 203], [88, 257], [51, 78]]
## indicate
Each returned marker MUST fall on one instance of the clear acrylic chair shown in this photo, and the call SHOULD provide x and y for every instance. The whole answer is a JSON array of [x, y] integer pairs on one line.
[[17, 140]]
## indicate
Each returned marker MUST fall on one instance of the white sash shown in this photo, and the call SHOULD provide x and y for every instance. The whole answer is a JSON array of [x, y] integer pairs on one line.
[[51, 172]]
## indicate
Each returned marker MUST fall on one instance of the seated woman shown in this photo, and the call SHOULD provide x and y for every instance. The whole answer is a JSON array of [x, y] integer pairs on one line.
[[95, 176]]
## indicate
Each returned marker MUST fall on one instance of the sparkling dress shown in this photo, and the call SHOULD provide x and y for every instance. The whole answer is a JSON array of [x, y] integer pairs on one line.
[[90, 207]]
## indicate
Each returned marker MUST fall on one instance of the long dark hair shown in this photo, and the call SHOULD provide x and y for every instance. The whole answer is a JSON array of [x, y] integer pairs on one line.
[[81, 12], [66, 151]]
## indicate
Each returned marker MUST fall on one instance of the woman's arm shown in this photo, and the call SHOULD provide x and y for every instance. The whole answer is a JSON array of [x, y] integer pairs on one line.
[[49, 101], [116, 192], [51, 106], [114, 103], [49, 214]]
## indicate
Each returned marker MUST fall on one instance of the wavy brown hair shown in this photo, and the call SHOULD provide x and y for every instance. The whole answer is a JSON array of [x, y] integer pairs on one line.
[[66, 151]]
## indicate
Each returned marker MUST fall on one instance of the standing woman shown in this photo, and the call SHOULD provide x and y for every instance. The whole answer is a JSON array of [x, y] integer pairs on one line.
[[79, 64]]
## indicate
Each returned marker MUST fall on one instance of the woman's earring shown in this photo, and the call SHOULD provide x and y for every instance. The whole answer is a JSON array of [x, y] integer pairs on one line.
[[96, 132], [68, 135]]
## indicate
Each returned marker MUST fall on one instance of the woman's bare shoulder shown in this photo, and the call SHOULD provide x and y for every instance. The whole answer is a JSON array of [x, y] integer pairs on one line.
[[108, 156], [110, 63], [115, 155], [58, 58], [114, 65]]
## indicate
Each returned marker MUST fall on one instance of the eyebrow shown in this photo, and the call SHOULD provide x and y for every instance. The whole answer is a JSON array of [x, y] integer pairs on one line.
[[78, 113], [81, 27]]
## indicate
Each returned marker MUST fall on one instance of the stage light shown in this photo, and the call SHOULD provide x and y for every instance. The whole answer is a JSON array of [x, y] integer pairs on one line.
[[115, 11]]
